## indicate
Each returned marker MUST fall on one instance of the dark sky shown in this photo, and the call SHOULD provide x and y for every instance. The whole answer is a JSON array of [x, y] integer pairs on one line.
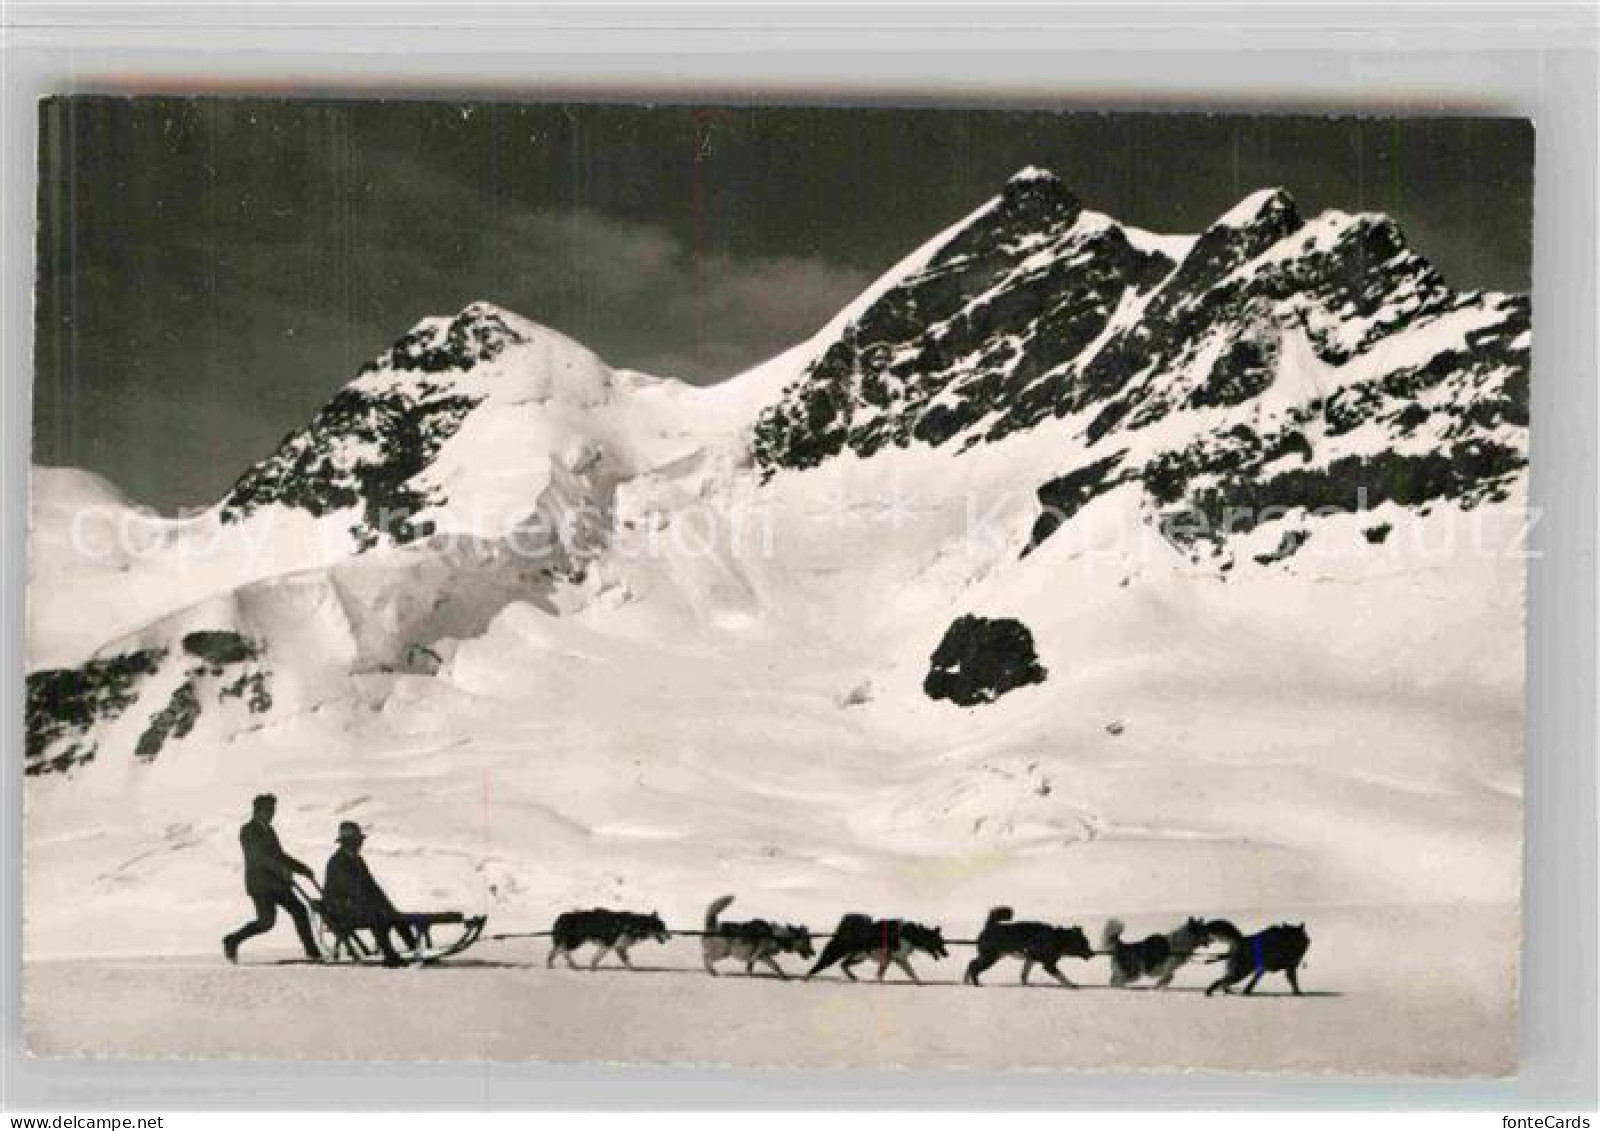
[[212, 270]]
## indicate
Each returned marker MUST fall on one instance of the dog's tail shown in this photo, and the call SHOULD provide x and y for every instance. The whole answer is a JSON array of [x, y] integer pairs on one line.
[[1112, 934], [998, 915], [716, 908], [1220, 930]]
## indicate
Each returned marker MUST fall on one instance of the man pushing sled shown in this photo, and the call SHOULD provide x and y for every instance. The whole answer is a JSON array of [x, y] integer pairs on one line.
[[269, 874]]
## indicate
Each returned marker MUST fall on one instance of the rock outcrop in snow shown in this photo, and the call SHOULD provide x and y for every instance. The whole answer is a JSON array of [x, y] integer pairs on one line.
[[980, 659]]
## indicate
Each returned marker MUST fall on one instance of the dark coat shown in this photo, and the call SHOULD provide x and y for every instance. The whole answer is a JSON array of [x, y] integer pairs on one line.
[[268, 869], [351, 895]]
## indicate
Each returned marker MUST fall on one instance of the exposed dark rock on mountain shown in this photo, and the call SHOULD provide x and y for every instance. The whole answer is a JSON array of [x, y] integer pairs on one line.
[[1288, 546], [365, 448], [317, 470], [1467, 473], [64, 704], [1062, 498], [478, 334], [220, 647], [1009, 299], [175, 720], [979, 660], [1039, 309]]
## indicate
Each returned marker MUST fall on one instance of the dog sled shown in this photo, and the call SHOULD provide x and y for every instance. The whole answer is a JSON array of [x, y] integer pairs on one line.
[[436, 935]]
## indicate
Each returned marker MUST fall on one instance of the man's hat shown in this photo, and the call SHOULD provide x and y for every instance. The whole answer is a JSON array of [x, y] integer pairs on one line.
[[263, 799], [349, 832]]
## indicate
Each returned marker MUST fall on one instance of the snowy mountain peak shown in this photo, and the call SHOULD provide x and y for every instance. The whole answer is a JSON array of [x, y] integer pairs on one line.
[[1244, 232], [481, 309], [1032, 174], [1190, 372], [1038, 192], [456, 413], [1259, 207], [482, 333]]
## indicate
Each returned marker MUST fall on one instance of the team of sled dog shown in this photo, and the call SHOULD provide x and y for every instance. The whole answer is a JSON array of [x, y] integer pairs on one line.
[[858, 937]]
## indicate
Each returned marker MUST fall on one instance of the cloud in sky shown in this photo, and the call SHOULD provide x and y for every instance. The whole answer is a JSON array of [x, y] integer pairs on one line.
[[419, 241], [646, 300]]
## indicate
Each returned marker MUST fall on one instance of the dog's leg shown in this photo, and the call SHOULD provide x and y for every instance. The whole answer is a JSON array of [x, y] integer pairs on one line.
[[1054, 971], [829, 957], [1224, 982], [905, 964], [1027, 968], [622, 953], [847, 965], [1250, 986], [1294, 980], [883, 963], [605, 949], [978, 965], [776, 969], [567, 954], [551, 961]]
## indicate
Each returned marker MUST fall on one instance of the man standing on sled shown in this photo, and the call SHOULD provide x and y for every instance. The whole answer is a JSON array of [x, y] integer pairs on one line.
[[269, 874], [353, 899]]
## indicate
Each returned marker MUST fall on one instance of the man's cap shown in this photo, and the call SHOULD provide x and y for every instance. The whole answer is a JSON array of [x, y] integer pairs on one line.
[[262, 799], [350, 831]]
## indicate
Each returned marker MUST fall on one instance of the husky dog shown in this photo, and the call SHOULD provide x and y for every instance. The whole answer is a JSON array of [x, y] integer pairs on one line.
[[1181, 943], [754, 940], [1132, 961], [858, 937], [1281, 948], [1157, 956], [1031, 942], [610, 930]]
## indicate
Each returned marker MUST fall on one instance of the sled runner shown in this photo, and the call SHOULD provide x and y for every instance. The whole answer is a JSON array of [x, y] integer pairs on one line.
[[341, 942]]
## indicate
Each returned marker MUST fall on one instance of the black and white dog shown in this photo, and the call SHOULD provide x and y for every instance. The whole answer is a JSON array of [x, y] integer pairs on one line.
[[858, 937], [1155, 956], [609, 930], [1043, 943], [752, 941]]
